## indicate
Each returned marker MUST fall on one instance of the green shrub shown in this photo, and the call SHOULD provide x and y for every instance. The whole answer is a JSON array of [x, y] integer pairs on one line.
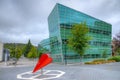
[[109, 61], [116, 58], [99, 60], [88, 62], [93, 62], [103, 61]]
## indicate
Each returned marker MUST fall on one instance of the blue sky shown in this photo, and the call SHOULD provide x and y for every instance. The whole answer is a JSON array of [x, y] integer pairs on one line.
[[21, 20]]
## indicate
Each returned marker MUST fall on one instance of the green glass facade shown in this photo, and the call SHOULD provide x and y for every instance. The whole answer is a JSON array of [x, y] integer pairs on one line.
[[60, 22], [44, 44]]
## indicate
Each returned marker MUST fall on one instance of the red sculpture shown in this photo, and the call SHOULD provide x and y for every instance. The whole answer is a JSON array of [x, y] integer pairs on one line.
[[44, 60]]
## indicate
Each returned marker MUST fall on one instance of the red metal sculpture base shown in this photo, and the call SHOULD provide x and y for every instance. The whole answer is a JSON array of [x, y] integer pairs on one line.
[[44, 60]]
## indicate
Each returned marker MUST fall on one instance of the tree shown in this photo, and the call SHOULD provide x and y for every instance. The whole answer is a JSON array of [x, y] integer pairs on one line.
[[16, 53], [12, 51], [32, 53], [79, 40], [27, 48], [116, 44], [118, 51], [104, 54]]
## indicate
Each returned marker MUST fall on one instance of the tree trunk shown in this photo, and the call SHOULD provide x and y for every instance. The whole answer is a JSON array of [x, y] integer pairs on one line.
[[81, 59]]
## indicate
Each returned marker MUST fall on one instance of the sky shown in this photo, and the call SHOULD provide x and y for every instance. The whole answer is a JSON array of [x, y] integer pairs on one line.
[[21, 20]]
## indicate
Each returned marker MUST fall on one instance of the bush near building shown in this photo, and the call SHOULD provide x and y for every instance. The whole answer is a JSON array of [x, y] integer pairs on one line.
[[100, 61], [116, 58]]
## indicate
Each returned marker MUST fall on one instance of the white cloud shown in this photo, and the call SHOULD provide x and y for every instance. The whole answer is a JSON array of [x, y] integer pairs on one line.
[[21, 20]]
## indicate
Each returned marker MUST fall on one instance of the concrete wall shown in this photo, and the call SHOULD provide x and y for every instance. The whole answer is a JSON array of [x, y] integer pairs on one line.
[[1, 51]]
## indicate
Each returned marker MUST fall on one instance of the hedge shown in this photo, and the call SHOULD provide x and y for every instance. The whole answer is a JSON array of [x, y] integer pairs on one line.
[[116, 58]]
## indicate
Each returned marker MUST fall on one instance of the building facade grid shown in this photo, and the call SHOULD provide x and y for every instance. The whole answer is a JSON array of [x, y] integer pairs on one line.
[[60, 21]]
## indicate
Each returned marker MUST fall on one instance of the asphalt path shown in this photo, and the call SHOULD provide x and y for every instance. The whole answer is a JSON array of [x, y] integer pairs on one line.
[[109, 71]]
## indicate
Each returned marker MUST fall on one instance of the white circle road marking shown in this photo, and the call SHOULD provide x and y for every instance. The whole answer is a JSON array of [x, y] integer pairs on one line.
[[46, 72]]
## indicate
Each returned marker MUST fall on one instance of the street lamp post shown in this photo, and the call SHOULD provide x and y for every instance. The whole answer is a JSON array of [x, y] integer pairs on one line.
[[65, 42], [65, 52], [15, 55]]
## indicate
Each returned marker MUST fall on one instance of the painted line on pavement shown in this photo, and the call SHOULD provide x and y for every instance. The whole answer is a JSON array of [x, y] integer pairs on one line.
[[46, 72]]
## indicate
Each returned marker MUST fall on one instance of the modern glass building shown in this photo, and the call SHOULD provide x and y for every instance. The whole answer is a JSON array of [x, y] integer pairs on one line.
[[44, 44], [60, 22]]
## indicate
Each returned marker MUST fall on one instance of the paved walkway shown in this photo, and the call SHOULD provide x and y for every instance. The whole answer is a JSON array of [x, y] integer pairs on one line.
[[109, 71], [20, 63]]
